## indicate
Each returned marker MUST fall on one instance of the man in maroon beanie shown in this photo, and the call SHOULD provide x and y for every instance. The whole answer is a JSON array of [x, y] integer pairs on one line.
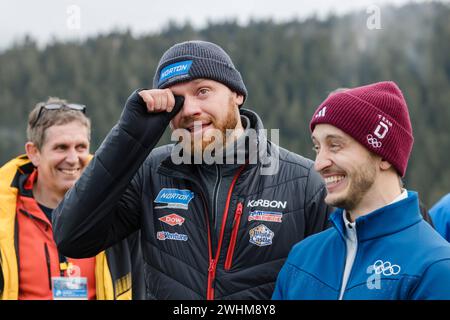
[[380, 246]]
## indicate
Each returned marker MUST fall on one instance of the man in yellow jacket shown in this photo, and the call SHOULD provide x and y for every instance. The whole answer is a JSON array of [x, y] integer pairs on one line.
[[31, 186]]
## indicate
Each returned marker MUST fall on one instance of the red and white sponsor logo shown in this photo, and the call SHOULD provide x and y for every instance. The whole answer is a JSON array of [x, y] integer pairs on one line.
[[172, 219], [268, 216]]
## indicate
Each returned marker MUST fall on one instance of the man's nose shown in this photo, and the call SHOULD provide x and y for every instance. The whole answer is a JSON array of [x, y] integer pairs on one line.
[[322, 161], [72, 156], [190, 107]]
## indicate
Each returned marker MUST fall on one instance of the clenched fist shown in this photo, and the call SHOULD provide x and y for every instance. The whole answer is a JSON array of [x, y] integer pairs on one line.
[[158, 100]]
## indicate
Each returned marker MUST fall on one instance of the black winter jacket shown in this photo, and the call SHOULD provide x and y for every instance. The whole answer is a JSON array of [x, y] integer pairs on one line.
[[125, 188]]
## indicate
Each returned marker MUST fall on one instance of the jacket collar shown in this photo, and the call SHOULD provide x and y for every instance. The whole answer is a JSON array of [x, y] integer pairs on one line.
[[383, 221]]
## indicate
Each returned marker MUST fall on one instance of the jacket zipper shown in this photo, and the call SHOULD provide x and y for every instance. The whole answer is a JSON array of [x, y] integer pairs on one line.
[[210, 289], [213, 262], [236, 223], [212, 266], [215, 194], [211, 277], [342, 289], [49, 271]]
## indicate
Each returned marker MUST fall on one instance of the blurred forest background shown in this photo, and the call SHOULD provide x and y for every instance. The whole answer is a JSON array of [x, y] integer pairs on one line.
[[288, 68]]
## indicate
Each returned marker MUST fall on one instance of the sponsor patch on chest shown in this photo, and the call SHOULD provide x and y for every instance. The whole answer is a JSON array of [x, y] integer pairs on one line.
[[164, 235], [172, 219], [261, 236], [173, 198], [268, 216]]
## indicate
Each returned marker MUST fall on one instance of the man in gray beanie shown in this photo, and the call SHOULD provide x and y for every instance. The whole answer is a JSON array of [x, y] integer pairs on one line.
[[215, 229]]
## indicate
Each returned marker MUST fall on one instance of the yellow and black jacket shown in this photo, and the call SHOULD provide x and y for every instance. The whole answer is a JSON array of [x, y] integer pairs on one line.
[[118, 269]]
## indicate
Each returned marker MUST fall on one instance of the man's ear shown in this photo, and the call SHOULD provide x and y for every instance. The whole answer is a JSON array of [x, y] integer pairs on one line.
[[385, 165], [33, 153], [239, 99]]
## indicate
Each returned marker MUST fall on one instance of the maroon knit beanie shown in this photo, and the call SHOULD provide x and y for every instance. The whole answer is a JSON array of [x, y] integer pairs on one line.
[[376, 115]]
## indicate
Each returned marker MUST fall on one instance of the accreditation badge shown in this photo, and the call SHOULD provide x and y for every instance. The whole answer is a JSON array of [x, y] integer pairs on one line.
[[72, 287]]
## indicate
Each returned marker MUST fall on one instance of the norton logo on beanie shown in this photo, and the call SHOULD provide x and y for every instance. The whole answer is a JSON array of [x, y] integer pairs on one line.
[[196, 59], [175, 69], [375, 115]]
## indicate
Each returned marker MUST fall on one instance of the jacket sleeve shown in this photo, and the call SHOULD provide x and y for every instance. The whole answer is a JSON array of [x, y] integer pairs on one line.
[[103, 207], [283, 280], [317, 211], [278, 292], [435, 283], [440, 215]]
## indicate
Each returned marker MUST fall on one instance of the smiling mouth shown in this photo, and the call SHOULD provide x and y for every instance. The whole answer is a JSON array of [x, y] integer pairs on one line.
[[198, 128], [70, 172], [334, 180]]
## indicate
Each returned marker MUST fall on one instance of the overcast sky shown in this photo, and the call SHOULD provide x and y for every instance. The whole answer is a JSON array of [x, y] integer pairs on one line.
[[77, 19]]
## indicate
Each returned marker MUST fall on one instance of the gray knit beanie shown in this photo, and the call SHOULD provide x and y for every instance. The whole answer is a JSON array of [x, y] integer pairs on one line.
[[191, 60]]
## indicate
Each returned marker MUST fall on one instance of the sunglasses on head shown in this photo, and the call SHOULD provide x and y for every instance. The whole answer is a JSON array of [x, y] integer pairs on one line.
[[57, 106]]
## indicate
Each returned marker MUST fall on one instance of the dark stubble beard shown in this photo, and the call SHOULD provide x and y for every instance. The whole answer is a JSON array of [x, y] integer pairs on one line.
[[361, 182]]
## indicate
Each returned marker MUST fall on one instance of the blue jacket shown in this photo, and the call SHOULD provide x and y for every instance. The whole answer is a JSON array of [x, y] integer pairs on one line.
[[399, 256], [440, 214]]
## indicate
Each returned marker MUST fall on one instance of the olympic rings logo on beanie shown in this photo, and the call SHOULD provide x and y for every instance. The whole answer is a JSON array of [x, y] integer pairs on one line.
[[376, 115], [197, 59]]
